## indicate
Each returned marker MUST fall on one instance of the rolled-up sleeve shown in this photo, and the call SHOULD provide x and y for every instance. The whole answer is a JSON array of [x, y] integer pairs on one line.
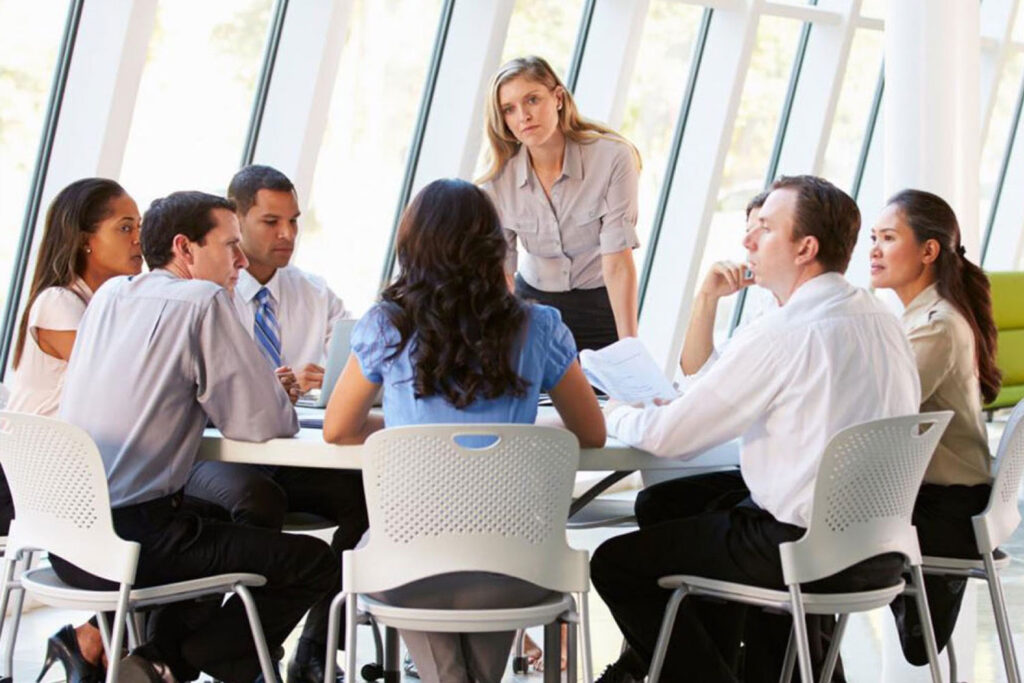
[[618, 225]]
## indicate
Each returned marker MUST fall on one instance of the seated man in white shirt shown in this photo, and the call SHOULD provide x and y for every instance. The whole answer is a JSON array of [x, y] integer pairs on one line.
[[290, 315], [830, 356], [156, 356]]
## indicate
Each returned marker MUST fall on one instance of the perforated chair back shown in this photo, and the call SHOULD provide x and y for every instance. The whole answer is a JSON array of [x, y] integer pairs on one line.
[[1002, 516], [60, 496], [864, 494], [436, 506]]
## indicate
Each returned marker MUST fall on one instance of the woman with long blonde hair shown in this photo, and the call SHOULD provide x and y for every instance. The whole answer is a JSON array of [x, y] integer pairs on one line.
[[566, 193]]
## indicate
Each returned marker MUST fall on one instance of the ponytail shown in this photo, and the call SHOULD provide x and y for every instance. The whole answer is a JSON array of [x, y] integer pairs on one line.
[[957, 280]]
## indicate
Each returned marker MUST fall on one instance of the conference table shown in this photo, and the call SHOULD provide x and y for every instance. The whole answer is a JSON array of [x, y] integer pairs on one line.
[[308, 449], [613, 461]]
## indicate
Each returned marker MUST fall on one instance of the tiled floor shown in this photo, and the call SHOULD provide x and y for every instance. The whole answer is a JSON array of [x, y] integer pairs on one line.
[[867, 649]]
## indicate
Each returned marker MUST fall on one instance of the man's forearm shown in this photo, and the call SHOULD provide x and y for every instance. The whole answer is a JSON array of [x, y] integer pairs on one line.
[[700, 341]]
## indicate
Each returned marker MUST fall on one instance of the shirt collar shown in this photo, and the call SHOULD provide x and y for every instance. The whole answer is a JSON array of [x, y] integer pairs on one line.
[[248, 286], [572, 163], [818, 287], [522, 166], [924, 301]]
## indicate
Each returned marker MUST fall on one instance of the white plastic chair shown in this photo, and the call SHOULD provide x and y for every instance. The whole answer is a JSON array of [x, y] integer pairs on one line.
[[864, 493], [992, 527], [63, 506], [437, 507]]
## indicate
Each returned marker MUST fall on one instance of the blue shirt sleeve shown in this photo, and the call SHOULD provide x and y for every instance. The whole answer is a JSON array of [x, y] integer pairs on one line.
[[560, 349], [371, 343]]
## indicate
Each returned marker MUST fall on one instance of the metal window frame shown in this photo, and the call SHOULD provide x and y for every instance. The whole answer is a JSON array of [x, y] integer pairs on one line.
[[677, 142], [259, 104], [426, 103], [780, 140], [39, 173], [1005, 165], [582, 34]]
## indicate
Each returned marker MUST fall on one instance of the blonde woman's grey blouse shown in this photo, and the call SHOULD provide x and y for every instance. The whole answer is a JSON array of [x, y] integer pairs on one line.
[[592, 211], [943, 345]]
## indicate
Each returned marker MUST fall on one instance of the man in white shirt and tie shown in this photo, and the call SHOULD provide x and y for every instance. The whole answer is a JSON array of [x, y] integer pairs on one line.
[[290, 315], [830, 356]]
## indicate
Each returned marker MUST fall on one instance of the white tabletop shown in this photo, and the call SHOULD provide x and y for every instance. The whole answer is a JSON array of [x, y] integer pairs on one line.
[[307, 449]]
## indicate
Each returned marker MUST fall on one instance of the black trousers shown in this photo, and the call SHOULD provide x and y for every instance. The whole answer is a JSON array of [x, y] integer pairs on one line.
[[942, 516], [178, 544], [706, 526], [6, 504], [586, 312], [261, 496]]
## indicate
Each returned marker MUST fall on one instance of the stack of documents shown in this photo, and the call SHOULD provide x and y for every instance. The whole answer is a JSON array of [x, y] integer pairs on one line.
[[627, 372]]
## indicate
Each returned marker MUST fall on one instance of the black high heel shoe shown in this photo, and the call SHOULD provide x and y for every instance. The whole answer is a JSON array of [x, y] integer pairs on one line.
[[63, 645]]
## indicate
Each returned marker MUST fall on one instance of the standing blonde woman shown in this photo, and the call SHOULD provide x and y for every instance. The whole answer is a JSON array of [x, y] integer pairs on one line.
[[566, 193]]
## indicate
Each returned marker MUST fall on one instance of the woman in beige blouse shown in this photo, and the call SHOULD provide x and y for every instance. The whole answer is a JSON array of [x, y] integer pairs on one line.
[[566, 193], [948, 319]]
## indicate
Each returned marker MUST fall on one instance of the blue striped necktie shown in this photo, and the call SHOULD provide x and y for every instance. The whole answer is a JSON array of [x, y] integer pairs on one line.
[[266, 329]]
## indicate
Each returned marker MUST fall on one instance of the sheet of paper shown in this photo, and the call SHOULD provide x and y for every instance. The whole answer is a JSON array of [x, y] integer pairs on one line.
[[627, 372]]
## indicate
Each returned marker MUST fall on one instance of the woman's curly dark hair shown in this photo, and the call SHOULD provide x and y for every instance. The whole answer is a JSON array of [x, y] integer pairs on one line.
[[451, 300]]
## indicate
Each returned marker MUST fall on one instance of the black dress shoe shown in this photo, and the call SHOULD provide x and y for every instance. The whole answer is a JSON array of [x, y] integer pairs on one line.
[[63, 645], [138, 669], [617, 673], [310, 670]]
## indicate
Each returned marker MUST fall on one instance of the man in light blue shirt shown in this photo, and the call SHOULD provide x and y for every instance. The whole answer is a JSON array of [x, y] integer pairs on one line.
[[156, 356]]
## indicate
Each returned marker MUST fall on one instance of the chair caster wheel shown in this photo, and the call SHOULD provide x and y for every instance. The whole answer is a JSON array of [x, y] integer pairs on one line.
[[372, 672], [520, 666]]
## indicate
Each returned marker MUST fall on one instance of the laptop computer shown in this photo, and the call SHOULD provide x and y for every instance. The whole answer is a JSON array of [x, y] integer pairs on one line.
[[337, 356]]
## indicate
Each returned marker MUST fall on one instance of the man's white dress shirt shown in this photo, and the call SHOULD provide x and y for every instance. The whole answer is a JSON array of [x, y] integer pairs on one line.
[[306, 310], [831, 357]]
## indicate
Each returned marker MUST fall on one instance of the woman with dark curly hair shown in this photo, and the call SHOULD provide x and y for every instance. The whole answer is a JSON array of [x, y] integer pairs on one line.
[[450, 344]]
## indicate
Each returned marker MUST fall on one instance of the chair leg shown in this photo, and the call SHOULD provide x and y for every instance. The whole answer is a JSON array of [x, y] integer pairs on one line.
[[519, 665], [951, 655], [665, 634], [571, 643], [833, 649], [11, 586], [258, 637], [350, 636], [995, 590], [331, 656], [552, 646], [392, 655], [921, 598], [104, 633], [117, 638], [135, 629], [803, 649], [789, 663], [588, 661]]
